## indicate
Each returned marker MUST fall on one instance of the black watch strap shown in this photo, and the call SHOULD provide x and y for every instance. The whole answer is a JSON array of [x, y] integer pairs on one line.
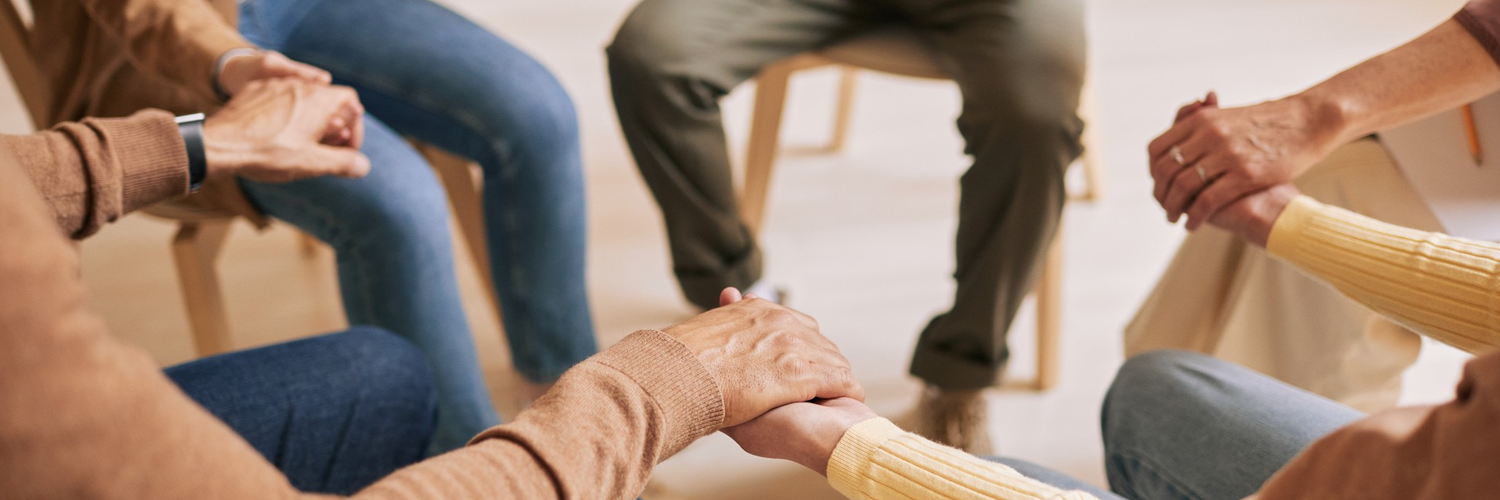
[[191, 128]]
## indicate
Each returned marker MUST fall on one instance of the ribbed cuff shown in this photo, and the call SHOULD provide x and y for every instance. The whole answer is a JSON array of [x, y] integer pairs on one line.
[[852, 456], [1289, 232], [672, 375], [152, 158]]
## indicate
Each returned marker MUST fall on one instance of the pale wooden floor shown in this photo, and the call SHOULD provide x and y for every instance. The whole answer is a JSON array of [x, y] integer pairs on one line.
[[862, 238]]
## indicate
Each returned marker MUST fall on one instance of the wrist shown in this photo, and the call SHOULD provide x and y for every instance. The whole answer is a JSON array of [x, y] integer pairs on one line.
[[1331, 118], [191, 129], [222, 154], [227, 79]]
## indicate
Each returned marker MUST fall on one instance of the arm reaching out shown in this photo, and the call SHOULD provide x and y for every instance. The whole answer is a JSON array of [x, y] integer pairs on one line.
[[1214, 156]]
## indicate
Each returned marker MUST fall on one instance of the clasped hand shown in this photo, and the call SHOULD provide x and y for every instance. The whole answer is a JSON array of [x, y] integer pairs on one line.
[[284, 123], [1233, 167]]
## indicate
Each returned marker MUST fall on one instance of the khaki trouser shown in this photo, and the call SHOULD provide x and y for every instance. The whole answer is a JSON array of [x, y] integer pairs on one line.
[[1228, 299], [1018, 63]]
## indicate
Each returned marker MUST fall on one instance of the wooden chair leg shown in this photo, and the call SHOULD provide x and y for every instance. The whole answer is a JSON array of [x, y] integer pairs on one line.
[[196, 250], [1049, 316], [1093, 172], [765, 132], [461, 179], [847, 80]]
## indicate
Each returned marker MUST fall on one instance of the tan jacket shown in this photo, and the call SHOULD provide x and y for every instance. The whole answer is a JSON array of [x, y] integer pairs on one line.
[[111, 58]]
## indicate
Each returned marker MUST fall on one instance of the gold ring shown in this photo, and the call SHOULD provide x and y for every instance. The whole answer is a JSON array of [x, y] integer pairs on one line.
[[1177, 155], [1202, 176]]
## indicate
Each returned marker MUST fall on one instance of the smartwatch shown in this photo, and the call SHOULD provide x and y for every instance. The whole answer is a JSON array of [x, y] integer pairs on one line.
[[191, 128]]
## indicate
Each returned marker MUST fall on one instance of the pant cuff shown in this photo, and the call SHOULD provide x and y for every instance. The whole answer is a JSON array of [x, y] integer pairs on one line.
[[950, 372]]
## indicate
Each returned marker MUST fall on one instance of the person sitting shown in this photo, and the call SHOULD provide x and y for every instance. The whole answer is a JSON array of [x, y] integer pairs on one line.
[[422, 72], [1019, 65], [1226, 297], [1185, 425]]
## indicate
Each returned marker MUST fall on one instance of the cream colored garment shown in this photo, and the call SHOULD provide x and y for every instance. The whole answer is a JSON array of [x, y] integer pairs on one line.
[[1223, 297], [875, 460]]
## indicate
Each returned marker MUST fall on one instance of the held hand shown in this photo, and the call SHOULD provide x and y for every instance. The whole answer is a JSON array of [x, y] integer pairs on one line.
[[284, 130], [239, 71], [1212, 157], [1252, 217], [764, 356], [805, 433]]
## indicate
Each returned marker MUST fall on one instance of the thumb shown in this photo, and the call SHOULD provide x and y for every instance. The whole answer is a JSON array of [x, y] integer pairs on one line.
[[729, 296], [340, 161]]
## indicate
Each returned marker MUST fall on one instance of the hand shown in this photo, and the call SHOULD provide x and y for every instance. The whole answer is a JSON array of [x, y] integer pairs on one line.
[[1252, 217], [240, 70], [1241, 151], [285, 130], [764, 356], [805, 433]]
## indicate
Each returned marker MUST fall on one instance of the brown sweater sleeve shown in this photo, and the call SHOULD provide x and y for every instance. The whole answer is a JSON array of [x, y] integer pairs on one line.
[[180, 40], [92, 172], [88, 417], [1432, 453], [1482, 20]]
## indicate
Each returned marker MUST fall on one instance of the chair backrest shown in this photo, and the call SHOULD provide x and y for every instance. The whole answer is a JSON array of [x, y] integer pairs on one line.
[[15, 49]]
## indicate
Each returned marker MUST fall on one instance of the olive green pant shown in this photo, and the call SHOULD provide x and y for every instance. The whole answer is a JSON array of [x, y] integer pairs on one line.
[[1018, 63]]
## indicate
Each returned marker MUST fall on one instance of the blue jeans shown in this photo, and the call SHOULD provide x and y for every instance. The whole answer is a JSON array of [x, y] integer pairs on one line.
[[1180, 425], [334, 413], [427, 73]]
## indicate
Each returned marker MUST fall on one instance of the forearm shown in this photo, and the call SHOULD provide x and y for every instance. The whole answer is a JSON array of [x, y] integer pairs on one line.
[[596, 435], [877, 461], [1437, 285], [94, 171], [180, 40], [1440, 70]]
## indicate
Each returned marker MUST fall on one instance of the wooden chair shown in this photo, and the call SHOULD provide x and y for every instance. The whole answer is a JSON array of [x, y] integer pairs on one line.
[[895, 50], [201, 232]]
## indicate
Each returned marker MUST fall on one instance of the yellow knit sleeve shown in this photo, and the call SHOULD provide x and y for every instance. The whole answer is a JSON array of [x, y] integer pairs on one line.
[[876, 460], [1443, 287]]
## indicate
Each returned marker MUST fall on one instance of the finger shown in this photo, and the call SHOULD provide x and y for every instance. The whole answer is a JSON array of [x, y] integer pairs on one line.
[[837, 381], [1212, 99], [1180, 131], [1219, 194], [730, 295], [1187, 110], [1193, 149], [338, 161], [1184, 187]]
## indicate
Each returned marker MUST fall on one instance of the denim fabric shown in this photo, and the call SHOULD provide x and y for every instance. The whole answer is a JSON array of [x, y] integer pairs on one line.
[[1053, 477], [427, 73], [1180, 425], [334, 413]]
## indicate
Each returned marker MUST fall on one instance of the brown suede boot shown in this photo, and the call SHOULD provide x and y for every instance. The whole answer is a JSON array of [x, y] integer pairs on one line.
[[955, 418]]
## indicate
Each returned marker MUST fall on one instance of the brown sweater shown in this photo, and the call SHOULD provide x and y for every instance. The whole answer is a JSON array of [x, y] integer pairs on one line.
[[111, 58], [85, 416]]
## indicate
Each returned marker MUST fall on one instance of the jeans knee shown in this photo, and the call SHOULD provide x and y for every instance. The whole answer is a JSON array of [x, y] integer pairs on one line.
[[1138, 385], [391, 367]]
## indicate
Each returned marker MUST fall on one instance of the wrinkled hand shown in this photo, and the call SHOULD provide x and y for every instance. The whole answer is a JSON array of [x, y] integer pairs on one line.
[[764, 356], [284, 130], [239, 71], [805, 433], [1252, 217], [1241, 151]]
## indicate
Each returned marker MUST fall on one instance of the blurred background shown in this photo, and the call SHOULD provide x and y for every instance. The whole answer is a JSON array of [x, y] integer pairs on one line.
[[862, 238]]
